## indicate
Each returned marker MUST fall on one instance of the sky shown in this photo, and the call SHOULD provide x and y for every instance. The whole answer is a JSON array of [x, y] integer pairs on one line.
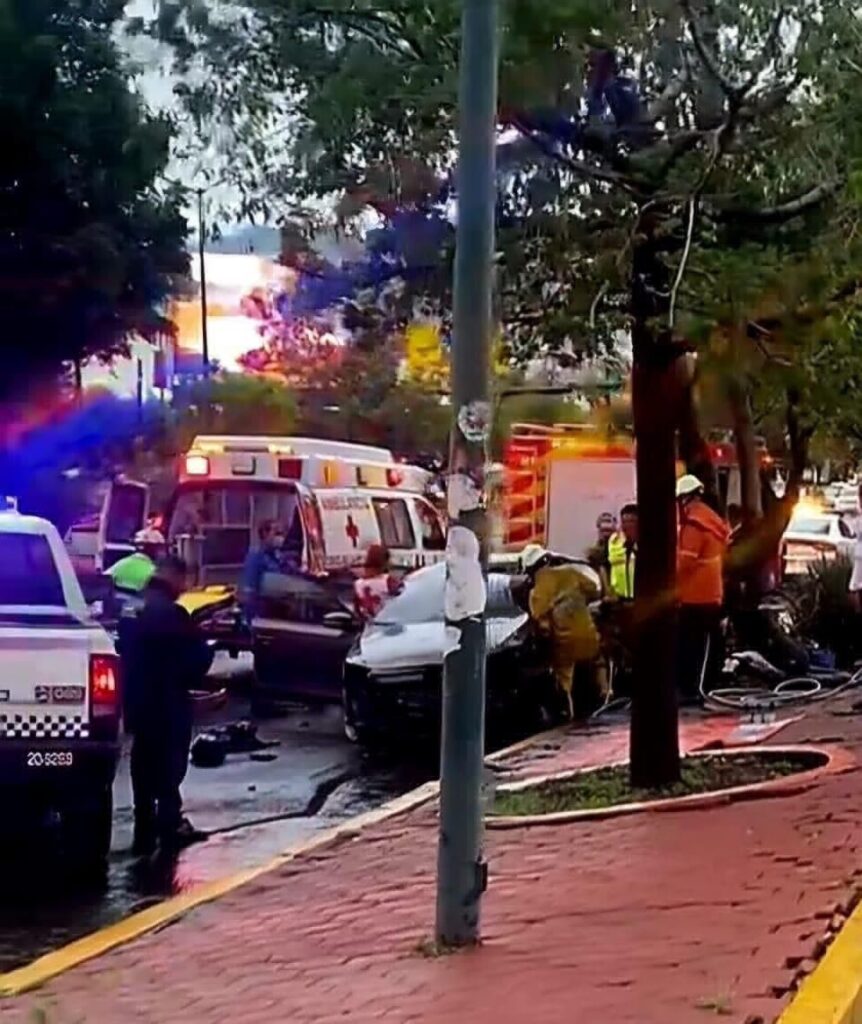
[[156, 84]]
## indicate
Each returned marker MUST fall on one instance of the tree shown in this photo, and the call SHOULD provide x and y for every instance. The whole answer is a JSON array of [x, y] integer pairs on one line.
[[88, 239], [655, 152], [233, 403]]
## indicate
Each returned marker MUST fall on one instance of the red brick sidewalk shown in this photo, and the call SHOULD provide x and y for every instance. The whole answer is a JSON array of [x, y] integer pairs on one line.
[[647, 919]]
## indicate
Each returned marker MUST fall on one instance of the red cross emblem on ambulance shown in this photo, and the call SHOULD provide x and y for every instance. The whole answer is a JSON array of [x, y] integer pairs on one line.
[[352, 531]]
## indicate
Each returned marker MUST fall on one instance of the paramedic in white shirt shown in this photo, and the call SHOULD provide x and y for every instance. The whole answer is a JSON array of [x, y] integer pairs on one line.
[[855, 524], [376, 586]]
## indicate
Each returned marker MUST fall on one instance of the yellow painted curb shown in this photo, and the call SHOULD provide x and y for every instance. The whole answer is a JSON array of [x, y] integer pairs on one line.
[[89, 947], [831, 993], [14, 983], [39, 971], [46, 967], [35, 974]]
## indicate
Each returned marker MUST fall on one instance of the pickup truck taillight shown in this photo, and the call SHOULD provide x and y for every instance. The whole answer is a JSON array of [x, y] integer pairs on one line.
[[104, 685]]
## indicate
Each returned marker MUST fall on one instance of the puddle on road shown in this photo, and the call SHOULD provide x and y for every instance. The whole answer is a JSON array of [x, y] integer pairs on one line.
[[38, 913]]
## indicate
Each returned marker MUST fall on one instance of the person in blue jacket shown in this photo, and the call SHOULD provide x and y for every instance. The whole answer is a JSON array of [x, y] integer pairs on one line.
[[265, 558]]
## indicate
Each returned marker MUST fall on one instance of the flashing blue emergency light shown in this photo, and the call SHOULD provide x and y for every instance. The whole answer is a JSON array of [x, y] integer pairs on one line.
[[10, 504]]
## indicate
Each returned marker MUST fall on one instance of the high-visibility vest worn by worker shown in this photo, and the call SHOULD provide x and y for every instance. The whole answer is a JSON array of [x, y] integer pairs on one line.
[[559, 607], [701, 549], [133, 572], [621, 558]]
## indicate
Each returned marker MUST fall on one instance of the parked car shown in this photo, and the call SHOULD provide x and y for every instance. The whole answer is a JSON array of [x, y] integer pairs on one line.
[[393, 673], [812, 536], [842, 497]]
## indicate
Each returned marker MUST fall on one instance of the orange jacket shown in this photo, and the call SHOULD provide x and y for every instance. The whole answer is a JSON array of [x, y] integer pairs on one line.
[[702, 544]]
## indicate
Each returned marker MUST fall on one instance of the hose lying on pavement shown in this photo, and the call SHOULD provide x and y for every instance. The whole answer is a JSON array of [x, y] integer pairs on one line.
[[792, 692], [788, 693]]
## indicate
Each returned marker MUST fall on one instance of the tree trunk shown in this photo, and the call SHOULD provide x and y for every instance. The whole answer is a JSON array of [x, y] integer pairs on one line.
[[654, 739], [746, 452], [762, 540]]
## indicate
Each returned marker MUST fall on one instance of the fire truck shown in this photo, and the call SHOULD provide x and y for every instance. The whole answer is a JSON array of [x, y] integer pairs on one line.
[[557, 480]]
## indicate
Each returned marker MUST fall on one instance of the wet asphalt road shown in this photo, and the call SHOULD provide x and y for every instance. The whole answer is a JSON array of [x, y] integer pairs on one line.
[[315, 780]]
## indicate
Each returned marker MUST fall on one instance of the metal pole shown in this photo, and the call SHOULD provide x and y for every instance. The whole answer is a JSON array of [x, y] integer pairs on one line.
[[461, 873], [201, 240], [139, 389]]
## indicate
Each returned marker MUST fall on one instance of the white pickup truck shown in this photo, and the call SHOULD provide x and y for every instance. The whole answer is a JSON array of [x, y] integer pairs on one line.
[[59, 699]]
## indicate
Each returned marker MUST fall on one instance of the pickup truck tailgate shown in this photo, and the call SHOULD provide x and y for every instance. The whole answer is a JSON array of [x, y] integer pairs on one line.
[[44, 681]]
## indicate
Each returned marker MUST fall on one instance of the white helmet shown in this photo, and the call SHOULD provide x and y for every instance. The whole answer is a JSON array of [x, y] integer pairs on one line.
[[532, 555], [150, 537], [688, 485]]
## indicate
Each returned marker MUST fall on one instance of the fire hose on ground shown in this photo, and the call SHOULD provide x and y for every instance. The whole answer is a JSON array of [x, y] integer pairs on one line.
[[794, 691]]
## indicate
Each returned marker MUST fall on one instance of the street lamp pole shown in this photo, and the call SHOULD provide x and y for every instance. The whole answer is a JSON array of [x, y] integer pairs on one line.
[[461, 872], [202, 260]]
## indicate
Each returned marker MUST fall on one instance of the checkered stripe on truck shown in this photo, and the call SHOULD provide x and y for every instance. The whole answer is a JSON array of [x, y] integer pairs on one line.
[[43, 727]]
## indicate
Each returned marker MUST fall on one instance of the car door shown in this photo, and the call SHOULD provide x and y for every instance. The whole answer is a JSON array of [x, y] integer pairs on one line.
[[306, 627], [306, 621], [124, 513]]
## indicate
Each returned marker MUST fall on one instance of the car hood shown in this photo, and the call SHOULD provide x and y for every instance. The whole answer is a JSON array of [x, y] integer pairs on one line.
[[383, 647]]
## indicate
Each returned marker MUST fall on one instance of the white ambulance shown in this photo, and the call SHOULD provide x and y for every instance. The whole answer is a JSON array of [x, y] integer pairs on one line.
[[334, 500]]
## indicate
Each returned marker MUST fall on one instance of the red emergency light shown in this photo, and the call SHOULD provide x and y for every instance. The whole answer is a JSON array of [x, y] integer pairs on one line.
[[394, 477], [197, 465], [290, 469]]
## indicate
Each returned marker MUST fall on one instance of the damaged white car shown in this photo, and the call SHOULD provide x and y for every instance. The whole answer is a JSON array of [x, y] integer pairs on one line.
[[393, 674]]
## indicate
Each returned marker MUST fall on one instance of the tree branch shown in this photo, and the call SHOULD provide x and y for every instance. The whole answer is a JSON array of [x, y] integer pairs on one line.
[[581, 168], [732, 90], [702, 50], [365, 22], [781, 212], [769, 49]]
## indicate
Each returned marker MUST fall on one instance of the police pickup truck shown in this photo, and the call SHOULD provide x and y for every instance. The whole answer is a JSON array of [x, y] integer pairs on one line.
[[59, 700]]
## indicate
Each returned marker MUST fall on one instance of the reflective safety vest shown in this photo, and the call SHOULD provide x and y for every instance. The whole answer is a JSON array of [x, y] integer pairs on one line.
[[622, 564], [133, 572]]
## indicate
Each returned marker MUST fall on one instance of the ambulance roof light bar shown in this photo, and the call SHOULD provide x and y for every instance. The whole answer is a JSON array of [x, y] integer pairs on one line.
[[197, 464], [299, 446]]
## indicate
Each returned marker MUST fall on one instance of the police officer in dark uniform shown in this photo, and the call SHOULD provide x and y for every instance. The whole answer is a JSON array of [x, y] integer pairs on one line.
[[164, 656]]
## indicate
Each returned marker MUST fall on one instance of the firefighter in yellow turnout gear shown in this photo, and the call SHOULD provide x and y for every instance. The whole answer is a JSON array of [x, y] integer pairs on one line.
[[559, 599]]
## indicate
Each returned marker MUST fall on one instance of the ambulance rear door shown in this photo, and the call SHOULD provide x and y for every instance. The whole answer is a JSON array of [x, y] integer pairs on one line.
[[124, 513]]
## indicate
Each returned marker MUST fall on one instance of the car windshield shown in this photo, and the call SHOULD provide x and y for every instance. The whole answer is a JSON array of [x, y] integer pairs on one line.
[[816, 527], [28, 572]]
